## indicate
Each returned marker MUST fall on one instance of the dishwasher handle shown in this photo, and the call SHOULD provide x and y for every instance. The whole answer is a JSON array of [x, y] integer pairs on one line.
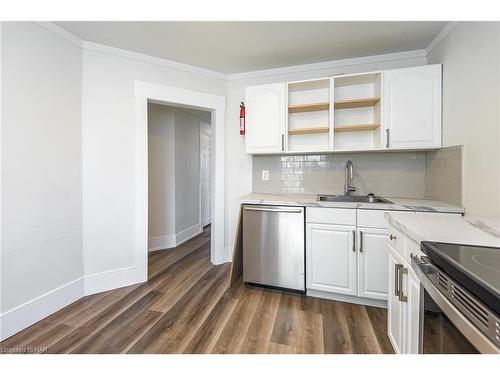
[[273, 209]]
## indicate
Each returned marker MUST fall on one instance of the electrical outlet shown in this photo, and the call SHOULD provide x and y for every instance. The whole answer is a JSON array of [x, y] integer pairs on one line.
[[188, 164], [265, 175]]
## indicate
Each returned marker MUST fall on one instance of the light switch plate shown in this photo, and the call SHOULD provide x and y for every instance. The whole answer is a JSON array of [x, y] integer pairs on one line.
[[265, 175], [242, 165]]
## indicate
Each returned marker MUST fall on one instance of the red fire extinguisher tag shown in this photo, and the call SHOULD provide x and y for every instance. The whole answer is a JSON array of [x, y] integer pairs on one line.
[[242, 118]]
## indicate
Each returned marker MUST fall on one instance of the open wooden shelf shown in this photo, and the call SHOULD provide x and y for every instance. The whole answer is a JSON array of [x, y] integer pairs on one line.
[[340, 104], [318, 130], [311, 107], [355, 128], [338, 128], [356, 103]]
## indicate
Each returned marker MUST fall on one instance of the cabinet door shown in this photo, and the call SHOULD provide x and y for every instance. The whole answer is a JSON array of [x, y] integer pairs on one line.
[[413, 315], [331, 258], [412, 107], [265, 118], [395, 318], [372, 263]]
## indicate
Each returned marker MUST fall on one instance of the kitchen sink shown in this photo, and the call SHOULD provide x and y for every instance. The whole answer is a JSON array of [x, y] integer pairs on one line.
[[370, 198]]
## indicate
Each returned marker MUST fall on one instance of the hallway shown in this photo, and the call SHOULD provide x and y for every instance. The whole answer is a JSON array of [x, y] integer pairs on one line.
[[185, 307]]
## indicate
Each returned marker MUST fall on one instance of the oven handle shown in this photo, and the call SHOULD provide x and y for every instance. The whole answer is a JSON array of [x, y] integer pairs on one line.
[[422, 268]]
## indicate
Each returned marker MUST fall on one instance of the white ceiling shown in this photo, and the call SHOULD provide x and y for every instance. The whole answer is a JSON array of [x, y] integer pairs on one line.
[[235, 47]]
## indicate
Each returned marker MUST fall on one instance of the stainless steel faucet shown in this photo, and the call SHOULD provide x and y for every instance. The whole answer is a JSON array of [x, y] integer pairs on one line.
[[349, 176]]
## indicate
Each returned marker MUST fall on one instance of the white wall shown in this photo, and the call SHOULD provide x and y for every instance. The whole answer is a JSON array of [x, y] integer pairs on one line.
[[108, 129], [238, 163], [470, 54], [41, 165], [161, 165]]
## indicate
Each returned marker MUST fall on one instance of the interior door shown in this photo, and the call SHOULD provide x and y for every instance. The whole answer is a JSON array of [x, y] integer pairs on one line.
[[412, 107], [331, 258], [205, 172], [372, 263], [265, 118]]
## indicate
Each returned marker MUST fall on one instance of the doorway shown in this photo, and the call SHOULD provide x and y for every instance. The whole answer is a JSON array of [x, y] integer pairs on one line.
[[145, 92], [179, 174]]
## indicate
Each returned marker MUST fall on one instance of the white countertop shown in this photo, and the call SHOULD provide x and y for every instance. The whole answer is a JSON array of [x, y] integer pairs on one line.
[[309, 200], [443, 228]]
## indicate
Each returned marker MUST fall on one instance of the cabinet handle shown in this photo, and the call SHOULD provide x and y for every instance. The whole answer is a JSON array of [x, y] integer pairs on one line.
[[402, 271], [387, 139], [282, 142], [360, 241], [392, 237], [354, 240], [397, 267]]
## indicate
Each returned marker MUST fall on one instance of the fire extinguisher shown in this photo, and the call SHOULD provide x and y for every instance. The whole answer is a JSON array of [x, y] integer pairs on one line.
[[242, 118]]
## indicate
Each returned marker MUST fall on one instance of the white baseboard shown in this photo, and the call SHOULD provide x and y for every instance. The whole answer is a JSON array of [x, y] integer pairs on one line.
[[173, 240], [161, 242], [187, 234], [205, 222], [349, 299], [108, 280], [28, 313]]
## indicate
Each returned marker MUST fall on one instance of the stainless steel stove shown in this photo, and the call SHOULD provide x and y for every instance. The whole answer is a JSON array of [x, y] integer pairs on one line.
[[460, 298]]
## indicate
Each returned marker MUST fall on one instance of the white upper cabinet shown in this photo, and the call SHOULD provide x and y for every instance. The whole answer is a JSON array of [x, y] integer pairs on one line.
[[309, 115], [412, 107], [394, 109], [265, 118]]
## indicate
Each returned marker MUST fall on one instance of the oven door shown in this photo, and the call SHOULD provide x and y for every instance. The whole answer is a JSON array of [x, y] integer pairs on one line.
[[438, 334], [443, 328]]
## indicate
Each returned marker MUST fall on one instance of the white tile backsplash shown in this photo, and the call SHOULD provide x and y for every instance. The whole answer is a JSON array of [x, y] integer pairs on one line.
[[391, 174], [394, 174]]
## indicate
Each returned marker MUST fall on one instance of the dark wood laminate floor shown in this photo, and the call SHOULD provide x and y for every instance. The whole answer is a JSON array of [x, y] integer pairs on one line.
[[185, 307]]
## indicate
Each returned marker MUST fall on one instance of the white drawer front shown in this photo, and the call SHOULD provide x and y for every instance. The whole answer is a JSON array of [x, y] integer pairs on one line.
[[326, 215], [372, 219], [397, 240]]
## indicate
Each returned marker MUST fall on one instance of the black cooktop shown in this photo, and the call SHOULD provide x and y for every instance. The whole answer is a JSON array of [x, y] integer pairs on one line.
[[476, 268]]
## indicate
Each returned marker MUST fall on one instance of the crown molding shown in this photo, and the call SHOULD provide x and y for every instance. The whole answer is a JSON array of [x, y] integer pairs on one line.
[[442, 34], [90, 46], [96, 47], [419, 53], [57, 30]]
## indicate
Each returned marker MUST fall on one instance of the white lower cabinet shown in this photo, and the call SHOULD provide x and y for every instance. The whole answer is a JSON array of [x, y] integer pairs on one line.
[[331, 258], [395, 307], [345, 259], [403, 304], [372, 263], [354, 255], [413, 314]]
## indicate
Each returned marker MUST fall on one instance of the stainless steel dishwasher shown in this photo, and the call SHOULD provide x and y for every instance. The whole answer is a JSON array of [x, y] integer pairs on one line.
[[274, 246]]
